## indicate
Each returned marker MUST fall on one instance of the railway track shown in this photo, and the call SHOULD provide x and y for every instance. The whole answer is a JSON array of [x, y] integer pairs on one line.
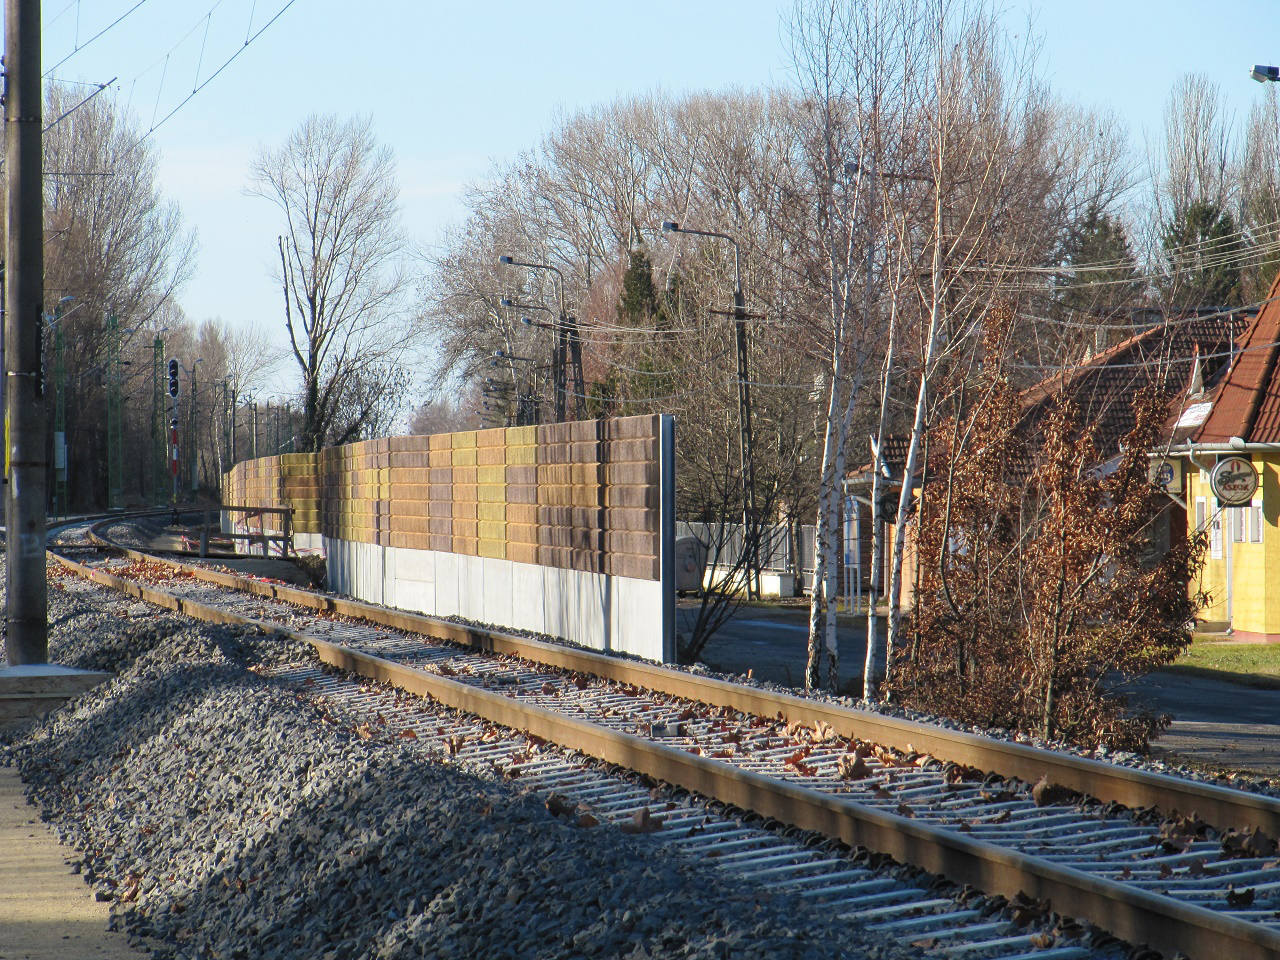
[[1204, 887]]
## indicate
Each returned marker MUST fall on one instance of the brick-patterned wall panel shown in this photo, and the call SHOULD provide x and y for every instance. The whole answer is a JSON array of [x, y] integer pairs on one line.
[[583, 496]]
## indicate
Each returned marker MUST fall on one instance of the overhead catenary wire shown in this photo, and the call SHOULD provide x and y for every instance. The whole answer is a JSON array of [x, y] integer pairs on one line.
[[81, 46]]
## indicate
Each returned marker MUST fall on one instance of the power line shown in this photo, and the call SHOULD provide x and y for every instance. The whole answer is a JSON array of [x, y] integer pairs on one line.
[[100, 33]]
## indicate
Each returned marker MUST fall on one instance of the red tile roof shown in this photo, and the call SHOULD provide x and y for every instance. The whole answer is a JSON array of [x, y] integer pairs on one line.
[[1246, 403], [1103, 387]]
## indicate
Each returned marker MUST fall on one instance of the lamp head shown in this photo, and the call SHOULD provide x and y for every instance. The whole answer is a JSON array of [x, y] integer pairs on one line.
[[1263, 73], [504, 259], [526, 321], [499, 354], [507, 302], [670, 226]]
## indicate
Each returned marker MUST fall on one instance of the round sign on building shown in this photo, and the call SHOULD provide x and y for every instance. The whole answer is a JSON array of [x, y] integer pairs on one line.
[[1234, 481]]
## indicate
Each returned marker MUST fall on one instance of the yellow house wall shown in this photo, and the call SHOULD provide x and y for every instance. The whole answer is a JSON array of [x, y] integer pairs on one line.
[[1255, 608]]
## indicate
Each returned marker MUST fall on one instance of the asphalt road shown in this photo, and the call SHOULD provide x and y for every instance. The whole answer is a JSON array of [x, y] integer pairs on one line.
[[773, 643], [1216, 724]]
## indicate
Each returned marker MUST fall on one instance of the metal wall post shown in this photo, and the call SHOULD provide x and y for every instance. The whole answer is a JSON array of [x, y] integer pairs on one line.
[[26, 463]]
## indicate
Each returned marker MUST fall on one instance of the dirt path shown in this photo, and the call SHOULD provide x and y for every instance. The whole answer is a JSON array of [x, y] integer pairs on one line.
[[46, 911]]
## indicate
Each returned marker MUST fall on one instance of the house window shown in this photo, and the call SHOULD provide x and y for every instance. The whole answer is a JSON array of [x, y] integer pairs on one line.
[[1237, 518], [1200, 515], [1256, 521], [1215, 529]]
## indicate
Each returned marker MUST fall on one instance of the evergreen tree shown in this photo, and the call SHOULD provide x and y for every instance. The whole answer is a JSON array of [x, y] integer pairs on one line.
[[1203, 250], [638, 305], [1099, 239]]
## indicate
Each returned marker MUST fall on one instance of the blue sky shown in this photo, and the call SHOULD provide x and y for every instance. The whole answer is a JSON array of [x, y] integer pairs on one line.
[[454, 86]]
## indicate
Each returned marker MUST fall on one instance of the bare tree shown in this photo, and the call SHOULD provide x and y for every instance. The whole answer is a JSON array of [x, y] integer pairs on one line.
[[340, 268], [115, 254]]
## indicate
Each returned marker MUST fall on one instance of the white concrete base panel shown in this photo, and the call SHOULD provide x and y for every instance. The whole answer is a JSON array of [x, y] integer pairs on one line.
[[599, 611]]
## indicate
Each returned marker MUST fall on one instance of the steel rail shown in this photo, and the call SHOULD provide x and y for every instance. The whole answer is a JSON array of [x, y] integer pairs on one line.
[[1222, 807], [1123, 909]]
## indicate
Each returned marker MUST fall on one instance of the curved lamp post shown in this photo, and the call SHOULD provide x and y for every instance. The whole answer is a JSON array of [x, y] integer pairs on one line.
[[745, 438]]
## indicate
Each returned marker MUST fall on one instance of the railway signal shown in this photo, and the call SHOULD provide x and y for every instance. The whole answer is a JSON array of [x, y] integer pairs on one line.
[[174, 368]]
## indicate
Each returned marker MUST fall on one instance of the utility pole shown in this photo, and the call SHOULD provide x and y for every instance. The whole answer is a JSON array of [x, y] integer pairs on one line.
[[253, 447], [26, 610], [59, 422], [115, 415], [558, 371], [575, 361], [746, 443], [175, 370], [157, 422], [192, 443], [751, 543]]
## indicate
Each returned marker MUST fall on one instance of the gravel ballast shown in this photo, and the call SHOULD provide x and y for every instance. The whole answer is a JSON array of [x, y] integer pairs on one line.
[[227, 815]]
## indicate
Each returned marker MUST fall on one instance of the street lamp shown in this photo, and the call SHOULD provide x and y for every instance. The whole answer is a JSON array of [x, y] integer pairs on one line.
[[745, 439], [1263, 74], [567, 342]]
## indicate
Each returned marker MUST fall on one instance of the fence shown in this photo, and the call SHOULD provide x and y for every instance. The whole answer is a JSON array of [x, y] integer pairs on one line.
[[786, 548], [560, 528]]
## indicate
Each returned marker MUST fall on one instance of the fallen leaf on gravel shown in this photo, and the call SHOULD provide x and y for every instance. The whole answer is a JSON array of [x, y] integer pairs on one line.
[[550, 689], [587, 821], [1004, 816], [853, 767], [905, 811], [643, 822], [882, 794], [129, 892], [1042, 941], [580, 681], [364, 731], [1166, 871], [926, 944], [1239, 898], [1196, 868], [1045, 793], [558, 805], [823, 732], [407, 734]]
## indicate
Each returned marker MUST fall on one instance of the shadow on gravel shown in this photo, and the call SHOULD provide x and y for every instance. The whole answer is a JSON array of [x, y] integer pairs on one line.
[[407, 859], [229, 816]]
